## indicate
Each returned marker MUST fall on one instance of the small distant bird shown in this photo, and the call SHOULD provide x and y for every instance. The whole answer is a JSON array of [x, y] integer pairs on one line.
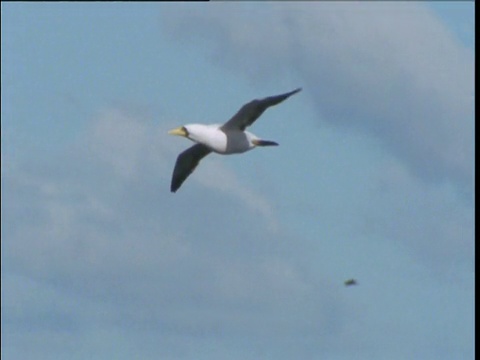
[[350, 282], [229, 138]]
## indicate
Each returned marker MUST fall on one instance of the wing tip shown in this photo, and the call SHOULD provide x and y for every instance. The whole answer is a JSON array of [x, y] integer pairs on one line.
[[175, 185], [293, 92]]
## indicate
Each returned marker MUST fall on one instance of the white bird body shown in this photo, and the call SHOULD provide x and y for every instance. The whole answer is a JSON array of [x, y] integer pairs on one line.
[[226, 139], [218, 141]]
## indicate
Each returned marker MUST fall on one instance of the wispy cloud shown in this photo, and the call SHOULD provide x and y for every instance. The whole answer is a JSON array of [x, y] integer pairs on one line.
[[391, 70], [100, 260], [436, 227], [112, 232], [133, 146]]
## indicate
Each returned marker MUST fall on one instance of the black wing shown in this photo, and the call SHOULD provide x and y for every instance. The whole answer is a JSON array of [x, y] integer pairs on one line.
[[251, 111], [187, 161]]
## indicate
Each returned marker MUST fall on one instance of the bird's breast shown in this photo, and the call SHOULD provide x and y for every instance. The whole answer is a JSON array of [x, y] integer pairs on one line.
[[217, 141], [229, 142]]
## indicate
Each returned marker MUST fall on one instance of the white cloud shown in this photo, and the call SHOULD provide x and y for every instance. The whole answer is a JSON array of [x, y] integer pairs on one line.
[[214, 175], [96, 251], [435, 227], [112, 234], [133, 146], [389, 69]]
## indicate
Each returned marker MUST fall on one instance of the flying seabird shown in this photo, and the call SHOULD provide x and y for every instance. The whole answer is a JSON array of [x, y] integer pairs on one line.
[[229, 138], [350, 282]]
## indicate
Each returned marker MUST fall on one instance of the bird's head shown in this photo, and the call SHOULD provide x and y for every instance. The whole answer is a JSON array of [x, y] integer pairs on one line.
[[195, 132]]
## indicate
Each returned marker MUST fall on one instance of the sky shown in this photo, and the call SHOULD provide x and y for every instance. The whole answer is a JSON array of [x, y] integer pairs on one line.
[[373, 180]]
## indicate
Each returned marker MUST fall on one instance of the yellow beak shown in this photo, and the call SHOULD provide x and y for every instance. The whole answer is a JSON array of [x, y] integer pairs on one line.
[[180, 131]]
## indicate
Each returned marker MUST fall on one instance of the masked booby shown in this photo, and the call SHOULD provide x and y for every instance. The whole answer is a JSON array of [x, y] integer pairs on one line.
[[229, 138]]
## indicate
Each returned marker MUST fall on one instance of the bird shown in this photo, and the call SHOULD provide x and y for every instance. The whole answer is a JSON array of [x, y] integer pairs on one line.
[[226, 139], [350, 282]]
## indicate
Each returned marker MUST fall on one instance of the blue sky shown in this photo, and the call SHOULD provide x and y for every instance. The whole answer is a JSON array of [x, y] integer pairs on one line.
[[373, 180]]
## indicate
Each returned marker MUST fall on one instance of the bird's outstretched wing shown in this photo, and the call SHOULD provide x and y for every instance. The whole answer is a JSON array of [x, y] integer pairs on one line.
[[187, 161], [251, 111]]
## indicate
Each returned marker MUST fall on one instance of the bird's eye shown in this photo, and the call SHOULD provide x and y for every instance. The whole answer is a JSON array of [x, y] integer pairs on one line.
[[186, 131]]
